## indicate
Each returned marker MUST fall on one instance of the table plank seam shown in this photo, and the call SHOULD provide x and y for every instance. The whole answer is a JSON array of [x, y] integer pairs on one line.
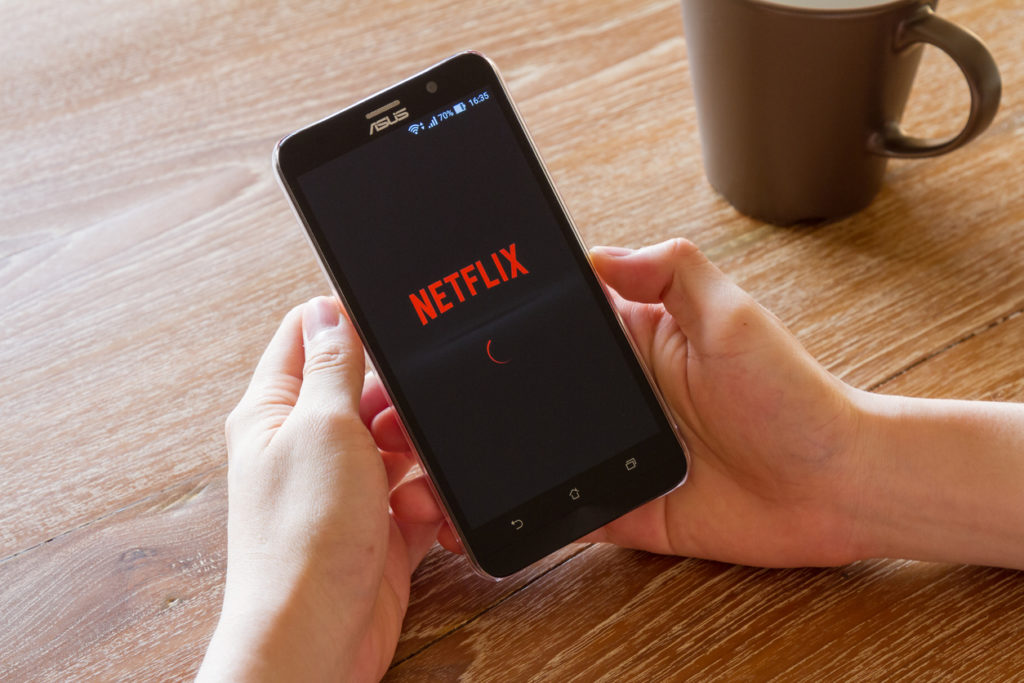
[[949, 347]]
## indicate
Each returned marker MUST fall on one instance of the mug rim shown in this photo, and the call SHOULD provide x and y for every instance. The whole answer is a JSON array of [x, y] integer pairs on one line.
[[881, 6]]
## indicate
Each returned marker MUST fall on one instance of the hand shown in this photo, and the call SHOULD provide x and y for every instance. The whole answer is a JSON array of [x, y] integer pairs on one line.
[[772, 435], [769, 431], [318, 570], [792, 466]]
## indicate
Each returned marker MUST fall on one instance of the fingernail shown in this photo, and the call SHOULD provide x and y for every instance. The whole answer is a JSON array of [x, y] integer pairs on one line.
[[612, 252], [321, 313]]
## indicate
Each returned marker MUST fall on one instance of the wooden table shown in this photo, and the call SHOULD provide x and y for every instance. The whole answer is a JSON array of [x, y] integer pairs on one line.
[[146, 255]]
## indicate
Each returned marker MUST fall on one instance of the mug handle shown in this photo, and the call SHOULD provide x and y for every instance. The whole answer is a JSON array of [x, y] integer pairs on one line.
[[978, 67]]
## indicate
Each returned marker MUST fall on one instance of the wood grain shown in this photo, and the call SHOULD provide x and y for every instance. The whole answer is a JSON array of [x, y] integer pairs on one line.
[[146, 256], [615, 614], [142, 588], [134, 593]]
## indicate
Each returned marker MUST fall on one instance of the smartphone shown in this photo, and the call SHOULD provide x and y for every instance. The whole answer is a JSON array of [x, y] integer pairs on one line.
[[512, 375]]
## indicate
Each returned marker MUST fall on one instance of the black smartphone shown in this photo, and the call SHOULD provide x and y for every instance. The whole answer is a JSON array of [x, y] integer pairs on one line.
[[511, 373]]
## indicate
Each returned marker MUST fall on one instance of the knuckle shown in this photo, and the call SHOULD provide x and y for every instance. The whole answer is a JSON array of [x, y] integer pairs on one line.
[[683, 251], [333, 415], [330, 356]]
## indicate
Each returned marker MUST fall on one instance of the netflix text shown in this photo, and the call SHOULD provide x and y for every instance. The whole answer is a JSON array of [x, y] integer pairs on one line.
[[443, 295]]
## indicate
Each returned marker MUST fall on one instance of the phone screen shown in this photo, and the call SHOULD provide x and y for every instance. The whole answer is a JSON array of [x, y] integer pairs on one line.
[[490, 331]]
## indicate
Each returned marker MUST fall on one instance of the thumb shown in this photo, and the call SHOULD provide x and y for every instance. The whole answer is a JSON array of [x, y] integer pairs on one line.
[[674, 273], [333, 371]]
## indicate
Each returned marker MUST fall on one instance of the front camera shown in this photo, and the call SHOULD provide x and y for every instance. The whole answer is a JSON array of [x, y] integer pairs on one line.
[[431, 87]]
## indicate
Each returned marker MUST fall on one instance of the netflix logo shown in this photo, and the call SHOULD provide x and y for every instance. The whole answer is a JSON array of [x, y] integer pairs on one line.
[[443, 295]]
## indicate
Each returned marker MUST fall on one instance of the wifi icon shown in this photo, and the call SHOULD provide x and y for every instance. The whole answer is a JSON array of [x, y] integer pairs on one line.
[[415, 128]]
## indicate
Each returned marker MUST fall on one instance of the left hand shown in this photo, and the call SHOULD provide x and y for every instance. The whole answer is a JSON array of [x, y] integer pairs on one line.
[[318, 570]]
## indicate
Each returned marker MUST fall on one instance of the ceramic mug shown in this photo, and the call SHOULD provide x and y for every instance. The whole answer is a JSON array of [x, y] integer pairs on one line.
[[799, 101]]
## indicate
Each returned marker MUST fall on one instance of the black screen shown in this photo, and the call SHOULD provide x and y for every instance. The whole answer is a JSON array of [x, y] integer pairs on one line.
[[465, 275]]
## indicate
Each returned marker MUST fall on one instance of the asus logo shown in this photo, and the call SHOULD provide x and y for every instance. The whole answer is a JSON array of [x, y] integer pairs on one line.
[[388, 119]]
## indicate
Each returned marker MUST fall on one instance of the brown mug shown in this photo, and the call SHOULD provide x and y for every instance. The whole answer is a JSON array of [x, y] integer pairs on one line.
[[799, 101]]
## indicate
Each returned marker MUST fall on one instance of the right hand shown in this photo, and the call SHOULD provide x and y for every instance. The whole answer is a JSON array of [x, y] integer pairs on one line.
[[770, 432]]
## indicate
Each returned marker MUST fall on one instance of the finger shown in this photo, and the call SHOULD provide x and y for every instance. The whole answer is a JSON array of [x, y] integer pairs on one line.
[[642, 528], [333, 371], [397, 464], [641, 320], [270, 396], [414, 502], [380, 418], [374, 399], [387, 432], [675, 273], [419, 538], [596, 536], [449, 540], [283, 356]]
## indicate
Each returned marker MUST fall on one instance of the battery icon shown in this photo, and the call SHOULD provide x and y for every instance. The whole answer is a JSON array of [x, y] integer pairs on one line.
[[460, 107]]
